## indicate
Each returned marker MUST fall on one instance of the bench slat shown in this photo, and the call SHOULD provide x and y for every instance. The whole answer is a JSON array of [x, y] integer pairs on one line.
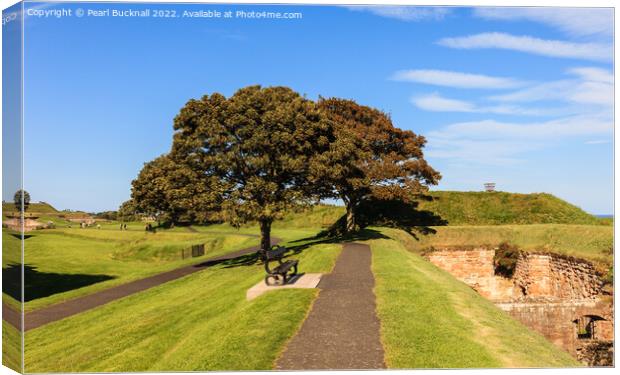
[[277, 253], [284, 267]]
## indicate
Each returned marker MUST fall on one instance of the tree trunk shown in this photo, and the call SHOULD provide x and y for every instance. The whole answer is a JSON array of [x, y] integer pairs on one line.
[[350, 225], [265, 236]]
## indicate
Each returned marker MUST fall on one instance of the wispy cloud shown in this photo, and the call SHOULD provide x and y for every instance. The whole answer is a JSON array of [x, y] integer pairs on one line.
[[598, 142], [528, 44], [500, 143], [565, 127], [456, 79], [405, 13], [437, 103], [591, 86], [572, 21]]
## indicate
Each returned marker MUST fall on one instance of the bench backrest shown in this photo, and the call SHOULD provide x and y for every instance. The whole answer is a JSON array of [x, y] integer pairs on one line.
[[276, 253]]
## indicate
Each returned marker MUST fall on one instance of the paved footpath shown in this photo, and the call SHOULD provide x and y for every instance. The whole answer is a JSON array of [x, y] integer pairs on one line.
[[63, 310], [342, 329]]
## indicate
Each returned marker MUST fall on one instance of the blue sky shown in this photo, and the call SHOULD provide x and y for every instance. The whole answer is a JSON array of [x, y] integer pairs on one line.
[[522, 97]]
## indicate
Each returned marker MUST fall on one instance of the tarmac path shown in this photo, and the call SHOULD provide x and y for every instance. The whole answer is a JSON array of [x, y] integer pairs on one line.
[[342, 330]]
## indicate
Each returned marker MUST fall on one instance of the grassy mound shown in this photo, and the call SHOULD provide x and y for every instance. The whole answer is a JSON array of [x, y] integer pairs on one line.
[[482, 208], [41, 208], [431, 320], [469, 208], [319, 216]]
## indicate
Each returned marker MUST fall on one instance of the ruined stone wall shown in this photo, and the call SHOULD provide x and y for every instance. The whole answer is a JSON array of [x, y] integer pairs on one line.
[[536, 276], [475, 268], [548, 293], [556, 277]]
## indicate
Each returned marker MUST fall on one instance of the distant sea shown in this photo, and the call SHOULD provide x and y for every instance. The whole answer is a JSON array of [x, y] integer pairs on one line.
[[605, 216]]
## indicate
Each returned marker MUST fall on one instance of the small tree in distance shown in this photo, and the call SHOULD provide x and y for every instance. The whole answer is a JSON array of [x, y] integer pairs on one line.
[[17, 199]]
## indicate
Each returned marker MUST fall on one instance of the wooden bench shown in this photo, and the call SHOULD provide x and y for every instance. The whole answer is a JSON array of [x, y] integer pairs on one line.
[[281, 273]]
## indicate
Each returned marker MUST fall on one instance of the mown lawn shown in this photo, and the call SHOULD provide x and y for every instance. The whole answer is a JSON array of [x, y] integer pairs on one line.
[[199, 322], [11, 347], [431, 320], [65, 263]]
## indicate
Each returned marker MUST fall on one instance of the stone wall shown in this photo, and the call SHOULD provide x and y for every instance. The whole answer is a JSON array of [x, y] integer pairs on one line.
[[475, 268], [558, 296], [536, 276], [15, 224], [556, 277]]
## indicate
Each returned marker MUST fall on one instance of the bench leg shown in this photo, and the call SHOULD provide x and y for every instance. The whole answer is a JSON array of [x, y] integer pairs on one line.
[[293, 271], [275, 278]]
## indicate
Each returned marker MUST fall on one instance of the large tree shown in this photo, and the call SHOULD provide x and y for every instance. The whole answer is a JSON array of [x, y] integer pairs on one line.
[[173, 192], [259, 144], [388, 162]]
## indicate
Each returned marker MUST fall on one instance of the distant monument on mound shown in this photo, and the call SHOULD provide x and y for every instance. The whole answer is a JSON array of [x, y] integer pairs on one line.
[[489, 186]]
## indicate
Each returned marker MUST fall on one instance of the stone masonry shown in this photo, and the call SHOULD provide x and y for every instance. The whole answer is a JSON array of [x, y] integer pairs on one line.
[[560, 297]]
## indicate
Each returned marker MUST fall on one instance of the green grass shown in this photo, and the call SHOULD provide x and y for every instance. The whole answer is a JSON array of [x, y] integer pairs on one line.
[[319, 216], [431, 320], [482, 208], [39, 208], [75, 254], [11, 347], [199, 322], [11, 254], [590, 242]]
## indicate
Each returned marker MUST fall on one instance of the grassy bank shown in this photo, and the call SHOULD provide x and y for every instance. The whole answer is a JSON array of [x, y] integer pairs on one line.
[[482, 208], [11, 347], [431, 320], [199, 322], [591, 242]]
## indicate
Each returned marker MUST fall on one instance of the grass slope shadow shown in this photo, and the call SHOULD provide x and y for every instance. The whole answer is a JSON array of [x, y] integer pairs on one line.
[[43, 284]]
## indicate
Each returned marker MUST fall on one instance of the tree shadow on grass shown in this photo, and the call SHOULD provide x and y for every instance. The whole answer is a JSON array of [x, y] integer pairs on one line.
[[303, 244], [43, 284], [392, 213], [19, 236]]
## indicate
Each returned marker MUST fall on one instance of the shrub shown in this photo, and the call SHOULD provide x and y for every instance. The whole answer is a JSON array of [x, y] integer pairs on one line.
[[505, 259]]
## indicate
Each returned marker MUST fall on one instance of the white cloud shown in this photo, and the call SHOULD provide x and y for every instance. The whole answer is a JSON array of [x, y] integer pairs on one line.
[[405, 13], [436, 103], [572, 21], [564, 127], [500, 143], [593, 74], [456, 79], [593, 86], [528, 44], [598, 142]]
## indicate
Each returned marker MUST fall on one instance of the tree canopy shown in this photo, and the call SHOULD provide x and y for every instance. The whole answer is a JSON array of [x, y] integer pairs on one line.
[[388, 162], [172, 192], [259, 144], [267, 150]]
